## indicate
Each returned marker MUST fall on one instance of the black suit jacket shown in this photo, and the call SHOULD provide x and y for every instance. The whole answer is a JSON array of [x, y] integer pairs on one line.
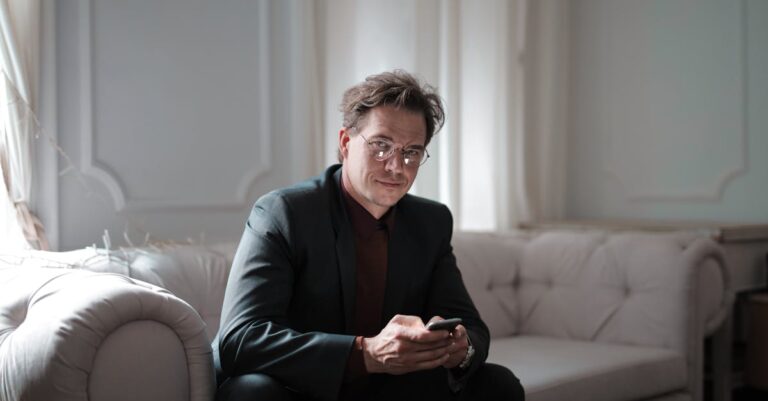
[[290, 297]]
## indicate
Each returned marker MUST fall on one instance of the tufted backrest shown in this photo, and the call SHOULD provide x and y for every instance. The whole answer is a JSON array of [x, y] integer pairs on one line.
[[197, 274], [630, 288], [490, 264]]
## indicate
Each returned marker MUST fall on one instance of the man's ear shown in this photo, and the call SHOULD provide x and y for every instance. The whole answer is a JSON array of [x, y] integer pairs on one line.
[[344, 142]]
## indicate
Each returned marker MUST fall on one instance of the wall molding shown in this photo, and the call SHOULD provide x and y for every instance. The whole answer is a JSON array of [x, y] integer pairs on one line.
[[122, 200], [715, 190], [46, 195]]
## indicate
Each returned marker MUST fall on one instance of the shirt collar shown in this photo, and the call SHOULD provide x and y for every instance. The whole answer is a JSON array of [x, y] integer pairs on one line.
[[363, 223]]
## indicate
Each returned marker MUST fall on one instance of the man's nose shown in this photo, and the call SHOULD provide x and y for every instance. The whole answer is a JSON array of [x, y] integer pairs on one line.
[[395, 163]]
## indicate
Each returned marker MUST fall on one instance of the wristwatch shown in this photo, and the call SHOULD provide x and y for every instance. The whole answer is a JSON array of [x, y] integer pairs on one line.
[[468, 358]]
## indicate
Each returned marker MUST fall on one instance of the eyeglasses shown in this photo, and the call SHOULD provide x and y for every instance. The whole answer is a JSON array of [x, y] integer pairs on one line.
[[382, 149]]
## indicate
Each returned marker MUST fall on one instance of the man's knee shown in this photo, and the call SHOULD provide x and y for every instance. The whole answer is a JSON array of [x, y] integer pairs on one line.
[[499, 383], [252, 386]]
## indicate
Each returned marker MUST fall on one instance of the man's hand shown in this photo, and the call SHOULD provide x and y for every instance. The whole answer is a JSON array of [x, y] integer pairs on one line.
[[405, 345], [459, 345]]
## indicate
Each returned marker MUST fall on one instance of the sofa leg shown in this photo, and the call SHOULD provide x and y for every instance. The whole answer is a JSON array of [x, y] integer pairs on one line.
[[722, 373]]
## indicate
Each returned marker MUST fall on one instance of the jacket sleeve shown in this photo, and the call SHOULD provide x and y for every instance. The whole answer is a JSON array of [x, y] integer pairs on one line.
[[448, 297], [255, 336]]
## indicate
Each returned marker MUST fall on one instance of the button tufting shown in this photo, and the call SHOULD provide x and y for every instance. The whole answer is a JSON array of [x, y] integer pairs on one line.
[[14, 317]]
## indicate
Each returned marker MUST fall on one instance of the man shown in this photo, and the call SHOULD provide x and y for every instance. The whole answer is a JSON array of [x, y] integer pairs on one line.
[[335, 278]]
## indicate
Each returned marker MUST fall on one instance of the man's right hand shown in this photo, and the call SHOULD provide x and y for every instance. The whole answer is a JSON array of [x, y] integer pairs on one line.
[[405, 345]]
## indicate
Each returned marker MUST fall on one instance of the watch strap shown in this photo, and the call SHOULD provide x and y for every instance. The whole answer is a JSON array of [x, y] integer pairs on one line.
[[468, 358]]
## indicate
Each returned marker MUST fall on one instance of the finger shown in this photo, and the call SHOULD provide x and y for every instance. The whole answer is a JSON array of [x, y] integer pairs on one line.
[[417, 357], [413, 362], [443, 346], [401, 367], [398, 348], [425, 365], [435, 345], [409, 348], [407, 321], [459, 332], [436, 353], [426, 336], [452, 362], [423, 345], [459, 347], [405, 328], [457, 356]]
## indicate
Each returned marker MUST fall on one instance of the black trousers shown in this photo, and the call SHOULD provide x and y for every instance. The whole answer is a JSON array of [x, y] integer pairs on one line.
[[489, 383]]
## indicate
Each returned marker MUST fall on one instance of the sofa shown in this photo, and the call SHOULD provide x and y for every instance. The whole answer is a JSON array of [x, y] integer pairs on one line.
[[598, 315], [577, 315], [72, 334]]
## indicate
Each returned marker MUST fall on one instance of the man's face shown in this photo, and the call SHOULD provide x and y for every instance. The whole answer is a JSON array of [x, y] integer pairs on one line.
[[379, 185]]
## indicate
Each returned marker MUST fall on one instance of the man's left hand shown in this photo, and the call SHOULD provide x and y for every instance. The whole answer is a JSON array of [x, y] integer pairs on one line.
[[459, 348]]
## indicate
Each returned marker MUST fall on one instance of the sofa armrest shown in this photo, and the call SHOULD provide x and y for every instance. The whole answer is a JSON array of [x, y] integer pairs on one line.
[[78, 335], [715, 294]]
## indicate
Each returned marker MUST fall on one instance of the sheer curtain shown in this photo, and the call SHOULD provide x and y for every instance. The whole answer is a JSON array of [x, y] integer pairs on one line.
[[500, 66], [543, 131], [19, 48]]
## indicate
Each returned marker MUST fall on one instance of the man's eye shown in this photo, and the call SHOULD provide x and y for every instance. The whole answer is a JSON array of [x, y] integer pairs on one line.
[[412, 153], [381, 145]]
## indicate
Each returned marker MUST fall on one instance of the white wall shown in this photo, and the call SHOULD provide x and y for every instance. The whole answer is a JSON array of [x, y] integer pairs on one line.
[[178, 114], [668, 110], [175, 114]]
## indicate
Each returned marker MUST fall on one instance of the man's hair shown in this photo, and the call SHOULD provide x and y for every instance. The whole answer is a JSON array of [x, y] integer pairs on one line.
[[399, 89]]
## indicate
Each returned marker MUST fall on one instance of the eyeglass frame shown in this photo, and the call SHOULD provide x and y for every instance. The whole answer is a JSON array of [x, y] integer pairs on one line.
[[393, 151]]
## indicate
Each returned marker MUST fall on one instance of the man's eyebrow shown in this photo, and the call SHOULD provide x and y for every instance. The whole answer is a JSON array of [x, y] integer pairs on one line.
[[388, 138]]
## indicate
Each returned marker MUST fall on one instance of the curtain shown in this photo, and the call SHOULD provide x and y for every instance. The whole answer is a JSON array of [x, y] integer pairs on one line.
[[501, 68], [19, 55], [541, 156]]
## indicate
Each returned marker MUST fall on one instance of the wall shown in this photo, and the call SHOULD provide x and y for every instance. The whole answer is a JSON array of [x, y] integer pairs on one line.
[[177, 115], [174, 117], [667, 110]]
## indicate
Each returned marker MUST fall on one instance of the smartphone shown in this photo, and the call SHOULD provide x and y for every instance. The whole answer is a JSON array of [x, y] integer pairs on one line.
[[447, 324]]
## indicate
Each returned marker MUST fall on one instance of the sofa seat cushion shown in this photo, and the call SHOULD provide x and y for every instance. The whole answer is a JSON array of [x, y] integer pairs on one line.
[[552, 369]]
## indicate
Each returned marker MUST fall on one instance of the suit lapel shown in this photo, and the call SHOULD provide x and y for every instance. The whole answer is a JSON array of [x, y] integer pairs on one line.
[[398, 269], [345, 249], [345, 254]]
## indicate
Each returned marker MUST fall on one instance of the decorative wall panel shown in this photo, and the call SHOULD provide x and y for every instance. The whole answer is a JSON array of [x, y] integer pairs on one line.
[[175, 115]]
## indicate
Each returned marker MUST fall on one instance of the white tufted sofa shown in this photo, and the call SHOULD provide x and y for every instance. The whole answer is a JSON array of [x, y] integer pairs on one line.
[[577, 315], [592, 315], [86, 325]]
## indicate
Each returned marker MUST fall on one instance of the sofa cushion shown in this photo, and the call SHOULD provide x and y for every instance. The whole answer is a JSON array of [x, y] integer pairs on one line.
[[552, 369], [489, 264], [629, 288]]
